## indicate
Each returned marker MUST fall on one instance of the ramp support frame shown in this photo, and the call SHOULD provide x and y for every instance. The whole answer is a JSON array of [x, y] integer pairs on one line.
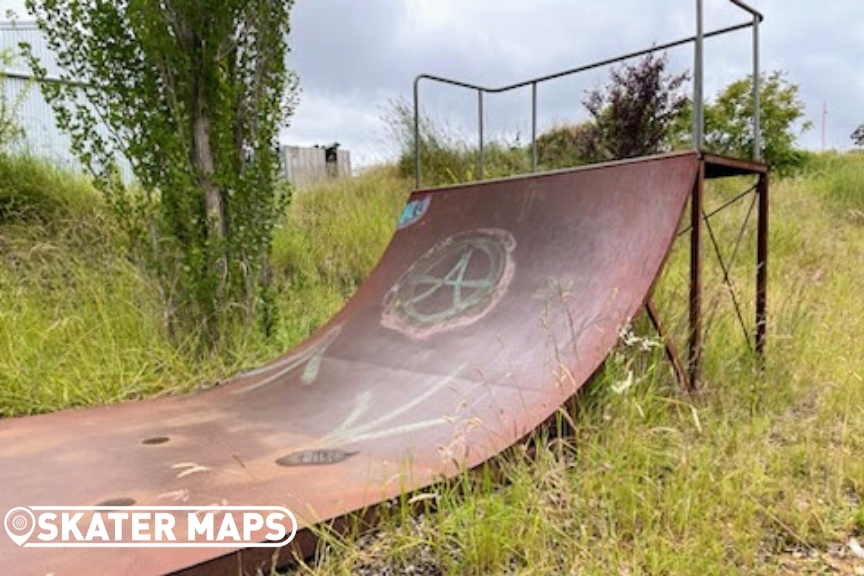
[[713, 166]]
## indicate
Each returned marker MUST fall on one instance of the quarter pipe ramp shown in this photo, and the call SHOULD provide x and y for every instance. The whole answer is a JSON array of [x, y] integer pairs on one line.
[[492, 305]]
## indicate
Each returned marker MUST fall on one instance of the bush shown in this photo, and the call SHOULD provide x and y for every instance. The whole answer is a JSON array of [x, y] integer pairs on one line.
[[10, 127], [636, 113], [564, 146]]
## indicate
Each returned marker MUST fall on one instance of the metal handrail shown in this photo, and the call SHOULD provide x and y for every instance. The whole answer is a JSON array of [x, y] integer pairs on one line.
[[748, 8], [698, 96], [698, 116]]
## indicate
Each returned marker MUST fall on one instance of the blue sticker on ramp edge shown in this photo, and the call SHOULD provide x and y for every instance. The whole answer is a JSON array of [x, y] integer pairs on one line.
[[414, 211]]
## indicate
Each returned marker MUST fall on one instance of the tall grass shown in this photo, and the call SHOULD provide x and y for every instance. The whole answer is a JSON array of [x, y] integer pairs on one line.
[[840, 179], [332, 237], [445, 156], [31, 189], [760, 473], [80, 325]]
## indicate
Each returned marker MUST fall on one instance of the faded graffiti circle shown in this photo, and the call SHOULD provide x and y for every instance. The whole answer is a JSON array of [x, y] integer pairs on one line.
[[414, 211], [454, 284]]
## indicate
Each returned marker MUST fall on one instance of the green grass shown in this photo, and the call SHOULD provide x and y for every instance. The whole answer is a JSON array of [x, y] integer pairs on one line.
[[31, 190], [446, 155], [331, 239], [752, 476], [81, 326], [839, 178]]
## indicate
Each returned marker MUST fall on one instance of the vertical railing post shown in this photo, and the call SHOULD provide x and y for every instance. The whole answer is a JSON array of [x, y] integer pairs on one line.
[[696, 209], [757, 82], [534, 127], [480, 128], [417, 174], [762, 265], [698, 97]]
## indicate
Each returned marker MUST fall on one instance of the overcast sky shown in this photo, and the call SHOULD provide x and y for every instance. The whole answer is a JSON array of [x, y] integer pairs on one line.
[[355, 57]]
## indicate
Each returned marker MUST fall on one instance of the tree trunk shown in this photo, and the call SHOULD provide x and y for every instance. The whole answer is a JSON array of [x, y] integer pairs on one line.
[[213, 202], [214, 205]]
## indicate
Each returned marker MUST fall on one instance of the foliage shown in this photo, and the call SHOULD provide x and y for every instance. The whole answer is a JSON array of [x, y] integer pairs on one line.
[[335, 232], [564, 146], [193, 93], [446, 158], [78, 324], [81, 326], [634, 114], [34, 192], [729, 121], [858, 136], [10, 127]]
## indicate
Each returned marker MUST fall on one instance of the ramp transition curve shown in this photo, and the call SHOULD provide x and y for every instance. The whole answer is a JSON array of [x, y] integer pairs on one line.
[[492, 305]]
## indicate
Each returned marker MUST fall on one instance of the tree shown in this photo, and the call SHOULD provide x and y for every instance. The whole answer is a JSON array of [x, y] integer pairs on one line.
[[729, 121], [634, 114], [858, 136], [10, 127], [193, 93]]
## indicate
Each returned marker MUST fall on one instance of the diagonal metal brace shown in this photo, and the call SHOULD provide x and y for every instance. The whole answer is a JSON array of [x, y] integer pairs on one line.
[[671, 353]]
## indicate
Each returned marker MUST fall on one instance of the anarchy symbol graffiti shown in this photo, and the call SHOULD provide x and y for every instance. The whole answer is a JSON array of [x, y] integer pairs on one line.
[[454, 284]]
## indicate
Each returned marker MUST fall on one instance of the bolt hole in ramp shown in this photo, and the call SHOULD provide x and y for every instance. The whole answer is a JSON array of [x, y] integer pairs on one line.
[[492, 305], [155, 440], [118, 502]]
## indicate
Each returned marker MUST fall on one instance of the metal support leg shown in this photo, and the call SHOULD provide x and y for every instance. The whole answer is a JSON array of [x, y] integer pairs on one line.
[[696, 209], [762, 266]]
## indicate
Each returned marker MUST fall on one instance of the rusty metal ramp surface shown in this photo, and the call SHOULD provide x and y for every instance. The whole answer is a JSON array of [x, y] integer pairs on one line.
[[492, 305]]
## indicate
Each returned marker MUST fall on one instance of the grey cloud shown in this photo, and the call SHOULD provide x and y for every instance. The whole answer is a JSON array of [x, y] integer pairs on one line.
[[485, 41], [340, 46], [353, 56]]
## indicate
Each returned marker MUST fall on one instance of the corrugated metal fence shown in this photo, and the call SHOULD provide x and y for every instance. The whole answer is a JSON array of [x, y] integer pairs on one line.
[[305, 166]]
